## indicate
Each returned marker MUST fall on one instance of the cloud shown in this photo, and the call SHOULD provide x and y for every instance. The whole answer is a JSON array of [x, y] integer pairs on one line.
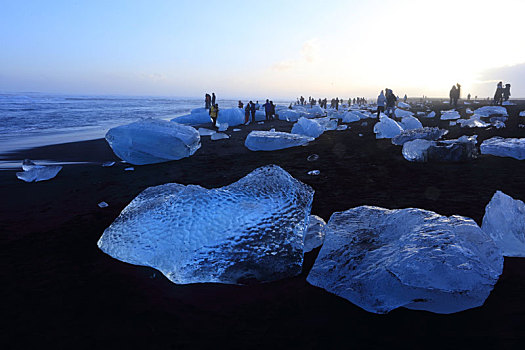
[[514, 75], [308, 54]]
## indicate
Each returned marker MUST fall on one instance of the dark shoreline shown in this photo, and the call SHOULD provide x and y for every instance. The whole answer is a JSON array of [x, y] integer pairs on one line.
[[59, 289]]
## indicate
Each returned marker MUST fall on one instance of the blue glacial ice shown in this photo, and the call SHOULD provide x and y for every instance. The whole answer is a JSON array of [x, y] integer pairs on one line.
[[409, 122], [502, 147], [456, 150], [314, 236], [197, 116], [34, 173], [274, 140], [451, 114], [382, 259], [401, 113], [426, 133], [307, 127], [250, 230], [231, 116], [504, 221], [151, 141], [327, 123], [387, 128], [487, 111]]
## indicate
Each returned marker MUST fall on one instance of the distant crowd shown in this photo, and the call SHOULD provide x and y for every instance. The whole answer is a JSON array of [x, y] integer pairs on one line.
[[249, 110]]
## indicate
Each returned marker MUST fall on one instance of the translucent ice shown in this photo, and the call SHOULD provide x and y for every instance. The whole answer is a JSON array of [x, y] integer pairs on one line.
[[416, 150], [34, 173], [472, 123], [327, 123], [450, 115], [314, 172], [307, 127], [206, 132], [400, 113], [350, 117], [103, 205], [290, 115], [387, 128], [487, 111], [153, 141], [196, 117], [223, 126], [382, 259], [314, 236], [426, 133], [408, 123], [108, 164], [457, 150], [274, 140], [431, 115], [522, 114], [501, 147], [312, 157], [251, 229], [504, 221], [231, 116], [403, 105], [219, 136], [317, 111]]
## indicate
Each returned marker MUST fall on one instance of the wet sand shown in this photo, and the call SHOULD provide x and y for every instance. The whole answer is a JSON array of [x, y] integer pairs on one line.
[[59, 289]]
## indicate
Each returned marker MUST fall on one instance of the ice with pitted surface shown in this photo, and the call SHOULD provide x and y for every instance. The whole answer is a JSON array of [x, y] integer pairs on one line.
[[151, 141], [504, 221], [274, 140], [502, 147], [382, 259], [426, 133], [250, 230]]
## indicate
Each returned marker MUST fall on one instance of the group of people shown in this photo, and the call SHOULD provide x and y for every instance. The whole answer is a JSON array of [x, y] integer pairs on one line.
[[249, 110], [502, 93], [454, 94], [386, 102]]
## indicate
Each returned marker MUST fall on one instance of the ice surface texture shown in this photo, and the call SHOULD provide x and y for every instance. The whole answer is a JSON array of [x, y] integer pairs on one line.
[[307, 127], [422, 133], [401, 113], [457, 150], [387, 128], [504, 221], [487, 111], [197, 116], [314, 236], [409, 123], [450, 115], [498, 146], [151, 141], [32, 172], [381, 259], [274, 140], [251, 229]]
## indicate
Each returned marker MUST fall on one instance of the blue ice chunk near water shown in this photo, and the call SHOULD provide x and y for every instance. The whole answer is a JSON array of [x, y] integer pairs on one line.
[[251, 229], [196, 117], [151, 141], [231, 116], [35, 173], [291, 115], [382, 259], [274, 140], [504, 222], [307, 127]]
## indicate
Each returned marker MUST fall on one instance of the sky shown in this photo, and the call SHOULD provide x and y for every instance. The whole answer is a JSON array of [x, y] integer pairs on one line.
[[279, 49]]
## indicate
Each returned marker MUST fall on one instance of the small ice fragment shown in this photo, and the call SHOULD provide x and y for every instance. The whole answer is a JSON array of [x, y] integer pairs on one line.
[[130, 169], [219, 136], [342, 127], [260, 123], [38, 173], [272, 129], [364, 124], [28, 164], [312, 157], [236, 130], [108, 164], [360, 135], [206, 132], [223, 127], [314, 172], [103, 205], [522, 114], [453, 123]]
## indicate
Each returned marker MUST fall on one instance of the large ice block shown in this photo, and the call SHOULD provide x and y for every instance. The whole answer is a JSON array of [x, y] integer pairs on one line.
[[450, 115], [504, 221], [274, 140], [33, 172], [487, 111], [382, 259], [409, 123], [401, 113], [456, 150], [250, 230], [501, 147], [231, 116], [426, 133], [387, 128], [307, 127], [151, 141], [196, 117]]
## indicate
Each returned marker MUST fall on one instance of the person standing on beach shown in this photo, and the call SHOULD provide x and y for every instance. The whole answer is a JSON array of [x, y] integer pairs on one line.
[[252, 111], [267, 110], [405, 98], [381, 100], [247, 113], [213, 98], [452, 94], [506, 92], [241, 105], [207, 101], [498, 96], [390, 103], [214, 113]]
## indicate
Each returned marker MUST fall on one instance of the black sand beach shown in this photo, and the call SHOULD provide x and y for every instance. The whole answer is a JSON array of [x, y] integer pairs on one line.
[[59, 290]]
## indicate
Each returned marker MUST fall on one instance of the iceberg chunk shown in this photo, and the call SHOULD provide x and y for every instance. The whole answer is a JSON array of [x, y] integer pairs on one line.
[[327, 123], [426, 133], [457, 150], [400, 113], [151, 141], [487, 111], [522, 114], [403, 105], [450, 115], [274, 140], [231, 116], [314, 236], [197, 116], [34, 173], [308, 127], [291, 115], [382, 259], [416, 150], [251, 229], [219, 136], [408, 123], [387, 128], [504, 221], [472, 123], [501, 147], [431, 115], [206, 132], [350, 117]]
